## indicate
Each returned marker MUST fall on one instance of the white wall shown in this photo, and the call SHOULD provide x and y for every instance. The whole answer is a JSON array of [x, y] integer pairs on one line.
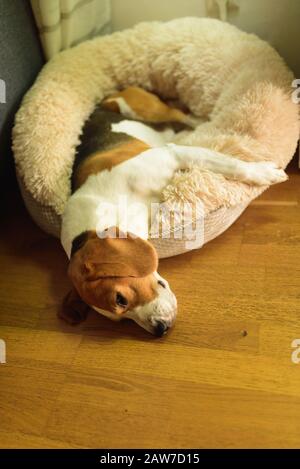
[[277, 21]]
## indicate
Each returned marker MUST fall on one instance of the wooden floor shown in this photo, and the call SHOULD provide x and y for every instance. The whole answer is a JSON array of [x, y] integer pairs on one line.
[[222, 378]]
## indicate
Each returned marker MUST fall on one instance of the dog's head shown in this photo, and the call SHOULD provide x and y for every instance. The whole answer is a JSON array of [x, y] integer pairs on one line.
[[118, 278]]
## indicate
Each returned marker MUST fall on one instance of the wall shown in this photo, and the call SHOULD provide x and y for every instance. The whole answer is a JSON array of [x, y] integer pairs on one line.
[[277, 21]]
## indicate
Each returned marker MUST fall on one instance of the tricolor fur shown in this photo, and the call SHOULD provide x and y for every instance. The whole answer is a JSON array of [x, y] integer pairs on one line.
[[117, 276]]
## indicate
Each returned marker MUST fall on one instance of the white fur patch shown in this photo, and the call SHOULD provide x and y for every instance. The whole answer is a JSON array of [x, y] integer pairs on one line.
[[143, 132], [125, 109]]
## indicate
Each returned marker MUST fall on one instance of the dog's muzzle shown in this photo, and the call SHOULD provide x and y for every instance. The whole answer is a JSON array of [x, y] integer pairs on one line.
[[157, 316]]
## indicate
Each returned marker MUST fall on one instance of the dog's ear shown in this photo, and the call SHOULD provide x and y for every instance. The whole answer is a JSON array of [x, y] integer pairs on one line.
[[120, 257], [73, 310]]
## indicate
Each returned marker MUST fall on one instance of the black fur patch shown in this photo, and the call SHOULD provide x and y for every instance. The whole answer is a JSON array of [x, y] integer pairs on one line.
[[79, 241], [97, 136]]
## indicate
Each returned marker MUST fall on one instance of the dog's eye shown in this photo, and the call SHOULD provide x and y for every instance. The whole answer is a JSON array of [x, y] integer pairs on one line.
[[121, 300], [160, 282]]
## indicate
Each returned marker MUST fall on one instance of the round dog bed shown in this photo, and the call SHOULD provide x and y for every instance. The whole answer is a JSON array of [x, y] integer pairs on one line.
[[236, 82]]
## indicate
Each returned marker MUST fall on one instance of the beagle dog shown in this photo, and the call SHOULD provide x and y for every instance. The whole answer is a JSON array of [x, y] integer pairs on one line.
[[113, 265]]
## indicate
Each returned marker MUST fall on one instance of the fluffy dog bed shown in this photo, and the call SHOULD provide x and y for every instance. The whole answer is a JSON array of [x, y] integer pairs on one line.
[[236, 82]]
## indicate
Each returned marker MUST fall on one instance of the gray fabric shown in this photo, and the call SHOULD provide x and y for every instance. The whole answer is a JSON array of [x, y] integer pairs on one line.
[[21, 58]]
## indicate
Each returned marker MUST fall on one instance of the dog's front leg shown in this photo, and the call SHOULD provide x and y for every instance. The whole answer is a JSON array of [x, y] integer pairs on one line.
[[73, 310], [260, 173]]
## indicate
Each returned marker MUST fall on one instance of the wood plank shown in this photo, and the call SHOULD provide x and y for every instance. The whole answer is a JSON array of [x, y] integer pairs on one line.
[[18, 440], [121, 410]]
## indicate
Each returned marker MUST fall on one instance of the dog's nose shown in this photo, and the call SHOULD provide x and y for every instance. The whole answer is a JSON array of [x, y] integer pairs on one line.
[[160, 328]]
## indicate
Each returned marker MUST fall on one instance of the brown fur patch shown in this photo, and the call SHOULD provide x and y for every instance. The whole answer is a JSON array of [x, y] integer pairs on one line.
[[147, 106], [102, 160]]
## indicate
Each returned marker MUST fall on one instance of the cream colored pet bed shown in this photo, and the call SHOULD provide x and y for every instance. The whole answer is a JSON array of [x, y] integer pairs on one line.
[[237, 83]]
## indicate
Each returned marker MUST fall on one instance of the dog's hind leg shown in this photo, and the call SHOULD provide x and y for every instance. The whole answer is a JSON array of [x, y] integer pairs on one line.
[[261, 173]]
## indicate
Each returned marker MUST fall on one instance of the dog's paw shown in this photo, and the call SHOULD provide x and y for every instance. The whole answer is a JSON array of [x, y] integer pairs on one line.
[[73, 310], [265, 173]]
